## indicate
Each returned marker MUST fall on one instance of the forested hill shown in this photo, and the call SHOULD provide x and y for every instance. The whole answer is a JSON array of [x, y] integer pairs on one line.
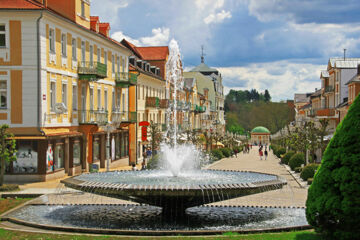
[[248, 109]]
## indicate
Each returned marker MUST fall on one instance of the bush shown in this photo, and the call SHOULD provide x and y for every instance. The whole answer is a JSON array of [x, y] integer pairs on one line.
[[298, 169], [226, 152], [296, 160], [153, 163], [280, 151], [9, 187], [333, 203], [238, 148], [274, 148], [309, 171], [217, 154], [285, 159]]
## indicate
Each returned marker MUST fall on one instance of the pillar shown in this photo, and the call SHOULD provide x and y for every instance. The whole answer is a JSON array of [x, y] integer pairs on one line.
[[132, 125], [67, 156]]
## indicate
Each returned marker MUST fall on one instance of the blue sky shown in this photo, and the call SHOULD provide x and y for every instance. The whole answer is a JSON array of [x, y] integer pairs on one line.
[[280, 45]]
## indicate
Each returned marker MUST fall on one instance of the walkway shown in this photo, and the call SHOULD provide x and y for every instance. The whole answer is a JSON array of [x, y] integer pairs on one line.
[[291, 194]]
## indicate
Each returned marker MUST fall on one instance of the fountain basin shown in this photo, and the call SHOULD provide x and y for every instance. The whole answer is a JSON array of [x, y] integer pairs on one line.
[[175, 194]]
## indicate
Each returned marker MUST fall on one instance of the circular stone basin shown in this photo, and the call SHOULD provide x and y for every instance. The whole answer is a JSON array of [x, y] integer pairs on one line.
[[175, 194]]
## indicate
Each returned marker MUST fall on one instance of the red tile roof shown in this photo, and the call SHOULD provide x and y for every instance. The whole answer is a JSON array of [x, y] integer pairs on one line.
[[20, 4], [153, 53]]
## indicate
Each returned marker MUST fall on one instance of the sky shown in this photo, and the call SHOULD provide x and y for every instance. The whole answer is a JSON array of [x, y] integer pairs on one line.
[[279, 45]]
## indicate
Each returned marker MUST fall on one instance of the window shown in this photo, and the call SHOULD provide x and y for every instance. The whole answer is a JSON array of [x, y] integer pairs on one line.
[[118, 95], [2, 36], [63, 45], [123, 64], [143, 92], [59, 156], [91, 54], [83, 51], [118, 64], [98, 55], [52, 95], [82, 8], [113, 100], [91, 99], [105, 58], [52, 40], [76, 153], [64, 94], [3, 94], [113, 64], [73, 44], [75, 100], [123, 102], [99, 99], [106, 100]]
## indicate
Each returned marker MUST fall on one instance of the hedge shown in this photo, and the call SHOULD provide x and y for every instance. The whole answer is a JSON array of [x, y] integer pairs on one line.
[[296, 160], [333, 203], [280, 151], [285, 159], [217, 154], [226, 152], [309, 171]]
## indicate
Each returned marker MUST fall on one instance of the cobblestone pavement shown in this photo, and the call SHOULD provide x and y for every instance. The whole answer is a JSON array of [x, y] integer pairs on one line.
[[290, 195]]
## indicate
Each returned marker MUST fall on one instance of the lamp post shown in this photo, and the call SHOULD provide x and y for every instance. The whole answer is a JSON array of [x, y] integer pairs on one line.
[[109, 128]]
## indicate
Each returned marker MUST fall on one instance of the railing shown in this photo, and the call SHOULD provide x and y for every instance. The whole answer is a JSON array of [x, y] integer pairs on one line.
[[153, 102], [122, 79], [92, 71], [99, 117], [133, 79], [329, 89], [164, 103], [118, 117]]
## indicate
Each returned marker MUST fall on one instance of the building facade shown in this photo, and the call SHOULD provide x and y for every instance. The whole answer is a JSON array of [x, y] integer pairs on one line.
[[62, 96]]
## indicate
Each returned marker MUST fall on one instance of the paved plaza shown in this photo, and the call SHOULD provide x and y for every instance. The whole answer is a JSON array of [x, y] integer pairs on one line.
[[292, 194]]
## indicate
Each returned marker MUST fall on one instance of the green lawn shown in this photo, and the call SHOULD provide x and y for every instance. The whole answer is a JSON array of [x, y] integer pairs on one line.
[[6, 204]]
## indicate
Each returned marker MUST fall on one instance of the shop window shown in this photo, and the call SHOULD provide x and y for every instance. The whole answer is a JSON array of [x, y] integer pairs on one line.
[[59, 156], [96, 150], [26, 158], [76, 153], [50, 159], [3, 94], [2, 36], [117, 146]]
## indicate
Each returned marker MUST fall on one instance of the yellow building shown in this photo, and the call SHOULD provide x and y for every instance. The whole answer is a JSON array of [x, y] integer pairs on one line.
[[64, 79]]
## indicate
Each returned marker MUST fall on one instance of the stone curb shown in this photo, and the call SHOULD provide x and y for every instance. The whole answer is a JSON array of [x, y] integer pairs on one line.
[[296, 176]]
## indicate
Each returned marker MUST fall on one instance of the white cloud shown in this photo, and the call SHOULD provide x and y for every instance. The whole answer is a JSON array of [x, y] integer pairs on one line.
[[107, 10], [218, 17], [209, 4], [281, 78], [160, 36]]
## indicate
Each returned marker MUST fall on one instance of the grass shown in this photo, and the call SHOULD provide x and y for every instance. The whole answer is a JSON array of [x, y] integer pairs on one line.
[[7, 204]]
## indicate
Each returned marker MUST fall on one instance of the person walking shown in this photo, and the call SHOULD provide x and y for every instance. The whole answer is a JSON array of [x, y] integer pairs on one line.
[[260, 153], [266, 153]]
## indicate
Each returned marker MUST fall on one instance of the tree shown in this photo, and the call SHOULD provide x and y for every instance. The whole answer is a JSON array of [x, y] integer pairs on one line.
[[322, 133], [156, 136], [333, 204], [267, 96], [7, 150]]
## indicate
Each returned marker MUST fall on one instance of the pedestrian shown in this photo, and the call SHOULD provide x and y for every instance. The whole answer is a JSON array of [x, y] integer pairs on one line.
[[133, 167], [236, 152], [260, 154], [266, 153], [144, 155], [143, 165], [148, 153]]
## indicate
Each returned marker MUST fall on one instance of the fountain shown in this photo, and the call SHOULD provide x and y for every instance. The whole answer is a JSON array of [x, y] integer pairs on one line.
[[173, 195]]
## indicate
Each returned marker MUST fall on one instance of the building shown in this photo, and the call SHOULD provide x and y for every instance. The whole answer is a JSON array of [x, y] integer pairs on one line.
[[148, 63], [62, 82], [260, 135]]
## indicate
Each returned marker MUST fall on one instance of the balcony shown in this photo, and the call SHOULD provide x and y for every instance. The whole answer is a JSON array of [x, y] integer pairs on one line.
[[164, 103], [92, 71], [326, 112], [122, 79], [99, 117], [119, 117], [153, 102], [329, 89]]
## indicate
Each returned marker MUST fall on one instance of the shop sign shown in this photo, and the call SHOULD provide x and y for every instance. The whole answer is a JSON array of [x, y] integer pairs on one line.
[[144, 134]]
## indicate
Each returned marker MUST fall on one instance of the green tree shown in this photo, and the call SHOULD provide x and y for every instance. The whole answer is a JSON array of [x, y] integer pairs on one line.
[[7, 150], [156, 135], [333, 203], [267, 96]]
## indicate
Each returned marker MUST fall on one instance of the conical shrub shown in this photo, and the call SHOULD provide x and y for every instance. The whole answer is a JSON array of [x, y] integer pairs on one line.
[[333, 204]]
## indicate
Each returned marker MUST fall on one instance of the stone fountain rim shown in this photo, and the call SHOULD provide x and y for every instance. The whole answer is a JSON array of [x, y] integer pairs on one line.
[[75, 183]]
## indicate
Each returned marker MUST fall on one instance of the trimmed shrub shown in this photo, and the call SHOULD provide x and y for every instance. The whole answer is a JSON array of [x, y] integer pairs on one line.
[[296, 160], [285, 159], [309, 171], [226, 152], [217, 154], [280, 151], [333, 203]]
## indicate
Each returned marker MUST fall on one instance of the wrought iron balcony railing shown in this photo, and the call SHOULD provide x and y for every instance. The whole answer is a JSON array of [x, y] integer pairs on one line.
[[99, 117], [153, 102], [92, 71], [329, 89], [164, 103]]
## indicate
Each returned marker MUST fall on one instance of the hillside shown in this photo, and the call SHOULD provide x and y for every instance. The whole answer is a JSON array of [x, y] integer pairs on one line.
[[247, 109]]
